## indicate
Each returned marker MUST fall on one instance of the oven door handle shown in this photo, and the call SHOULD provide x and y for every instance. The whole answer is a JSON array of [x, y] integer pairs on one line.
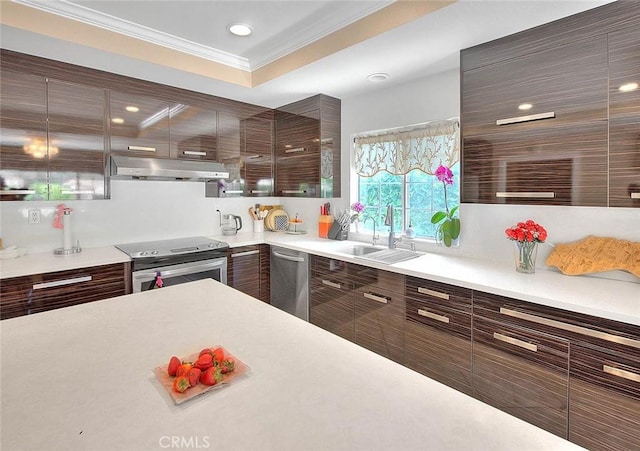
[[182, 271]]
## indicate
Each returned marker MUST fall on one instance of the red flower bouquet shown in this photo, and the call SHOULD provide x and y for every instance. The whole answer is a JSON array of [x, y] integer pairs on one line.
[[526, 236]]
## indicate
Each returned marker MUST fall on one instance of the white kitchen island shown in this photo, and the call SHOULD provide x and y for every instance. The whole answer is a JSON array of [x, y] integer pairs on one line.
[[82, 378]]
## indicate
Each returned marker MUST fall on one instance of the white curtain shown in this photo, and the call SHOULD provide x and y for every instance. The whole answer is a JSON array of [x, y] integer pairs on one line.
[[399, 151]]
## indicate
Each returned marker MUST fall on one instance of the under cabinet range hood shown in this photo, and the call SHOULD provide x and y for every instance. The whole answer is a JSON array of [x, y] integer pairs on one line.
[[128, 168]]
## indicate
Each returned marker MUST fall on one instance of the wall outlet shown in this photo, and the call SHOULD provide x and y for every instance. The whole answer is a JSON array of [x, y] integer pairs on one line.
[[34, 216]]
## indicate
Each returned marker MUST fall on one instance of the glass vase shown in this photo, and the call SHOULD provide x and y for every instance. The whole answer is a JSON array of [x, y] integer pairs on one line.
[[524, 253]]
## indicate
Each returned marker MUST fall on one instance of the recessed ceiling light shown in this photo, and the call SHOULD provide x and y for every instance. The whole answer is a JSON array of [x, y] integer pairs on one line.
[[627, 87], [378, 77], [117, 120], [132, 109], [240, 29], [525, 106]]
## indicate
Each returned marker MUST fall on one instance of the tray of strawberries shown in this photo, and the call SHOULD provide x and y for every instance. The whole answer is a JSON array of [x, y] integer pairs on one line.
[[195, 374]]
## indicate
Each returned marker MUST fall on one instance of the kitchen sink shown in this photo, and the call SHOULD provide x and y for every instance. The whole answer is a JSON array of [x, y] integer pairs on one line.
[[379, 254], [391, 256], [359, 250]]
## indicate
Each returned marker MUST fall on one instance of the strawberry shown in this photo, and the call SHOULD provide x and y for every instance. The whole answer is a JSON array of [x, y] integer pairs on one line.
[[227, 365], [181, 383], [211, 376], [174, 363], [183, 369], [194, 376], [204, 361], [218, 356], [206, 351]]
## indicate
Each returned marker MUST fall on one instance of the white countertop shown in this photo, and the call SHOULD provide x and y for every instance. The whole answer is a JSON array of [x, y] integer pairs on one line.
[[611, 299], [93, 388]]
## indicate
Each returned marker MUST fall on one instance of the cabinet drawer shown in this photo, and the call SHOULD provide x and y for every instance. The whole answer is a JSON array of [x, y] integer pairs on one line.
[[331, 304], [379, 321], [438, 343], [604, 400], [243, 269], [337, 269], [436, 293], [42, 292], [522, 372], [576, 327]]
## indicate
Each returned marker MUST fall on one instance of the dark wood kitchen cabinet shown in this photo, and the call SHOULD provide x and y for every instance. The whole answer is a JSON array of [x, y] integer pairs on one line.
[[243, 269], [438, 332], [603, 397], [52, 144], [139, 124], [248, 270], [379, 306], [307, 148], [331, 304], [42, 292], [193, 131], [257, 155], [555, 152], [624, 118]]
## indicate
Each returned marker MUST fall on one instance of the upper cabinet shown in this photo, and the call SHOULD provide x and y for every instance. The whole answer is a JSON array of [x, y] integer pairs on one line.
[[257, 154], [307, 148], [139, 125], [52, 144], [624, 118], [543, 119]]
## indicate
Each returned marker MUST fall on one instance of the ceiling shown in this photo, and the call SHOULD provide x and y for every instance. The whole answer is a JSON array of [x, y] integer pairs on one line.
[[297, 48]]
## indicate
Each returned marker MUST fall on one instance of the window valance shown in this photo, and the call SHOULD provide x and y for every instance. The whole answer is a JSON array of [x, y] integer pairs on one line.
[[399, 151]]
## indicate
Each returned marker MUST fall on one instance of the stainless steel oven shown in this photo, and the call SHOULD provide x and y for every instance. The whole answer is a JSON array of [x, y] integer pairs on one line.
[[157, 264]]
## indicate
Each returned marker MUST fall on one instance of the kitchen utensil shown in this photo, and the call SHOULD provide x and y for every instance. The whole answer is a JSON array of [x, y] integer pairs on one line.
[[277, 220], [231, 224], [252, 213]]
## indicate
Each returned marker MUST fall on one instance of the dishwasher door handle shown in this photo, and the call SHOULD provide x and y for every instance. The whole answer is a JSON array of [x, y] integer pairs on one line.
[[291, 258]]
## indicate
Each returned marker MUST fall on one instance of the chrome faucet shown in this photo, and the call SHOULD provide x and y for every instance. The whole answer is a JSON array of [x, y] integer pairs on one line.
[[374, 238], [388, 221]]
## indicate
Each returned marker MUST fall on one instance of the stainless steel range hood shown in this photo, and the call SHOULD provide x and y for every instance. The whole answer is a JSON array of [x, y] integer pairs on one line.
[[128, 168]]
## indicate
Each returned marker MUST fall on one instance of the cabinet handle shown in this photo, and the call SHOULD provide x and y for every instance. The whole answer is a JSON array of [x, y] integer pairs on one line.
[[294, 191], [530, 194], [259, 191], [428, 314], [635, 195], [375, 297], [194, 152], [527, 118], [59, 283], [232, 191], [621, 373], [143, 148], [242, 254], [297, 149], [571, 328], [437, 294], [331, 284], [516, 342], [255, 157]]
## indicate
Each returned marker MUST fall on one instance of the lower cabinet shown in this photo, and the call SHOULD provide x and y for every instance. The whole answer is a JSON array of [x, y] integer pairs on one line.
[[522, 372], [438, 332], [379, 312], [248, 270], [604, 398], [331, 304], [42, 292]]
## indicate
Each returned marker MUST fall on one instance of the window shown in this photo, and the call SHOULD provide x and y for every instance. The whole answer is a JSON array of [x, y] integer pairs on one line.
[[396, 167]]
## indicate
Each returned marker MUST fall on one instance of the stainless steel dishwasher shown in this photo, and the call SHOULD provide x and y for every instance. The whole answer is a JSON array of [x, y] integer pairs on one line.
[[290, 281]]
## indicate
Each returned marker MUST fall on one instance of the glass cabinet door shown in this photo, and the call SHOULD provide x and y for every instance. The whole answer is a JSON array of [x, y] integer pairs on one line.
[[23, 137], [77, 157]]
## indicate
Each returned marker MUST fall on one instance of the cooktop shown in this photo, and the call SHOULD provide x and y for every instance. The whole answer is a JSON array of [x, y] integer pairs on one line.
[[167, 248]]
